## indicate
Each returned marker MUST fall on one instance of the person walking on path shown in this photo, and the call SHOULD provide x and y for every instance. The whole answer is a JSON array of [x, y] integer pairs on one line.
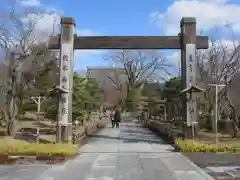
[[111, 118], [117, 117]]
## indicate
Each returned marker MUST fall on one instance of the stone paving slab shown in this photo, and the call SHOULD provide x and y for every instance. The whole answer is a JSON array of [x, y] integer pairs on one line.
[[26, 172], [219, 165], [185, 175], [106, 160], [177, 162], [130, 152], [227, 172], [154, 167], [129, 167]]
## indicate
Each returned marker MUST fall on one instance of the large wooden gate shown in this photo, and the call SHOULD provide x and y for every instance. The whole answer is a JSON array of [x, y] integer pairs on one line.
[[67, 41]]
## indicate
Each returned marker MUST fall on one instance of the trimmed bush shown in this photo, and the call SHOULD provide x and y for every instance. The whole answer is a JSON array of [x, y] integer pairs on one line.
[[194, 146], [34, 149], [205, 121]]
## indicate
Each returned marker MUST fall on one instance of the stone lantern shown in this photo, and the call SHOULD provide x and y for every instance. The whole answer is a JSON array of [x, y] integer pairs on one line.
[[57, 91], [144, 106], [192, 113], [162, 103]]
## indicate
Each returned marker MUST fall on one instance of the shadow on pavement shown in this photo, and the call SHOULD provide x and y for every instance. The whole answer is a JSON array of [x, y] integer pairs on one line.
[[128, 140], [164, 137], [137, 132]]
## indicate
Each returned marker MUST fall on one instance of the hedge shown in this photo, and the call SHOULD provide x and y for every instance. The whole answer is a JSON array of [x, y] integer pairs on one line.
[[35, 149], [194, 146]]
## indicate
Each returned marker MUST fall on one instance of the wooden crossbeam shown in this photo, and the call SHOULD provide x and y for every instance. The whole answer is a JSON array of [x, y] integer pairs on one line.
[[128, 42]]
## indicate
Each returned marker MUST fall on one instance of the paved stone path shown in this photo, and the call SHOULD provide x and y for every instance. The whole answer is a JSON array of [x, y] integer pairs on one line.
[[130, 152], [221, 166], [224, 172]]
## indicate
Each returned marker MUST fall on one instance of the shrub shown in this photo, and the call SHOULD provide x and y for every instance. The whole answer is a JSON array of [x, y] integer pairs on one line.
[[34, 149], [205, 121], [194, 146]]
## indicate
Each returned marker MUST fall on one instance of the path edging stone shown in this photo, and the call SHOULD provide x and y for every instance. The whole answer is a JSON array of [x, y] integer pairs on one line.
[[202, 172]]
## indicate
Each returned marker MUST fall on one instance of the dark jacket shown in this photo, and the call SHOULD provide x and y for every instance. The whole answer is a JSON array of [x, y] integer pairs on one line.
[[111, 116], [117, 116]]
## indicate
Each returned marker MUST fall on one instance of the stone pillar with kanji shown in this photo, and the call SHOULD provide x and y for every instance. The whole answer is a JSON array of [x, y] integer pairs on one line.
[[66, 78], [188, 71]]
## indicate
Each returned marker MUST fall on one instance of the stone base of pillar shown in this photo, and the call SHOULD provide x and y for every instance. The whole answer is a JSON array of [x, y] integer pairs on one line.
[[62, 134], [189, 132], [58, 133], [69, 129]]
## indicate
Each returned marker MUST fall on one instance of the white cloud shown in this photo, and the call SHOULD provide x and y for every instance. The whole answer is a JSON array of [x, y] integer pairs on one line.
[[224, 45], [209, 14], [49, 23], [46, 19], [175, 57], [175, 60]]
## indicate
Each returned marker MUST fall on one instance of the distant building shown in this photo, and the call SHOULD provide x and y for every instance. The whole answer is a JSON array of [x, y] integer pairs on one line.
[[110, 79]]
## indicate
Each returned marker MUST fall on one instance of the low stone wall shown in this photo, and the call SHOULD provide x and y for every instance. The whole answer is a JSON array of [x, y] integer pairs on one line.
[[91, 127], [164, 128], [161, 127]]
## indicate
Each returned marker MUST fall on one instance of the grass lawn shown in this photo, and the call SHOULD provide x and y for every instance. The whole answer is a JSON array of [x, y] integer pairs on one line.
[[19, 147], [24, 143], [209, 137], [27, 130], [205, 142]]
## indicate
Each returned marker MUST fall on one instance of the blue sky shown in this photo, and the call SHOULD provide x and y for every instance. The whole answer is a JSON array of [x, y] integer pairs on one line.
[[110, 17], [132, 17]]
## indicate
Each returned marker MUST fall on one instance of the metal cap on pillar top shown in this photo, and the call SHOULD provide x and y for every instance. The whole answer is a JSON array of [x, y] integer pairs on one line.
[[188, 20], [68, 20]]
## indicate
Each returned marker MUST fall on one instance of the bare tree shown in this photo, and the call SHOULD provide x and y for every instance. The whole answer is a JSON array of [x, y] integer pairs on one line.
[[25, 53], [118, 78], [139, 66], [218, 65]]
